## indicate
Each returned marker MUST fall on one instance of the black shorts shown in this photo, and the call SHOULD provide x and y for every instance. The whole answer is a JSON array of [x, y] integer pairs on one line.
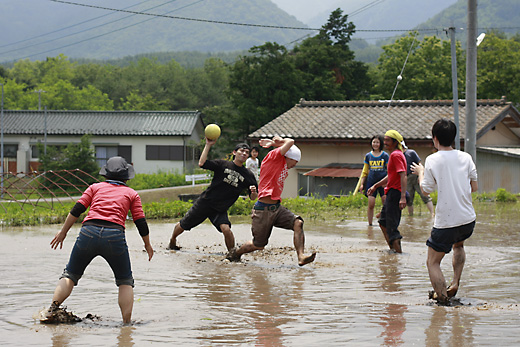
[[442, 240], [391, 214], [198, 214]]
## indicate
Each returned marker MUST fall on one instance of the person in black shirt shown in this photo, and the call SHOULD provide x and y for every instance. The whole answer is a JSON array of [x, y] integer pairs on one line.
[[230, 179]]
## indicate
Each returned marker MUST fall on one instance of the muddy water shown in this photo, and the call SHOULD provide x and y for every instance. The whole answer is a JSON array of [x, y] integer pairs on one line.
[[356, 293]]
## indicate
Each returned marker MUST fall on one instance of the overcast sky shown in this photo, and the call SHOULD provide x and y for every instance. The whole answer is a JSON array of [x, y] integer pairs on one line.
[[304, 10]]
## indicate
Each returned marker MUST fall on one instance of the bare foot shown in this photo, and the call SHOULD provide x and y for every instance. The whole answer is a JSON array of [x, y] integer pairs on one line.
[[452, 291], [173, 245], [233, 256], [441, 301], [308, 259]]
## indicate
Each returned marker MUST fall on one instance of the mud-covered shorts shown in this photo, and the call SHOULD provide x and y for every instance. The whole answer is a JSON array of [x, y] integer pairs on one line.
[[265, 217]]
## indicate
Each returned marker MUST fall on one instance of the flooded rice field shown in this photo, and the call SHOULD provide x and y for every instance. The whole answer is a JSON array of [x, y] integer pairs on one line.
[[356, 292]]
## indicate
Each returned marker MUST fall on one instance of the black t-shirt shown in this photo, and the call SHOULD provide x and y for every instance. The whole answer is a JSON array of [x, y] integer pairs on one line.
[[228, 182]]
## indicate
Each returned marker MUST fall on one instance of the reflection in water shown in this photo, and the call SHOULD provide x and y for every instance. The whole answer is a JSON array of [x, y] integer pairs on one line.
[[392, 318], [62, 335], [450, 323], [125, 339], [261, 297], [270, 308]]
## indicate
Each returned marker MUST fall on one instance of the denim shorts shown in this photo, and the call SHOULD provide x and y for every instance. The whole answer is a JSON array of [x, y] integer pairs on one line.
[[108, 243], [442, 240]]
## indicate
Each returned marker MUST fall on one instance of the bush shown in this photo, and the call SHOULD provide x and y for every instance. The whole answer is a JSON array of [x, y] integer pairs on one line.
[[503, 195]]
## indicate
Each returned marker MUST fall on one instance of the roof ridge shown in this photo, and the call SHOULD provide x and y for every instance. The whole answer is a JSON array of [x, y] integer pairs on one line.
[[394, 103]]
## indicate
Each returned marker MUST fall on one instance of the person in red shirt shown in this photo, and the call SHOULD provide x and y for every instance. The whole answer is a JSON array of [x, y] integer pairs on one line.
[[267, 211], [103, 234], [395, 191]]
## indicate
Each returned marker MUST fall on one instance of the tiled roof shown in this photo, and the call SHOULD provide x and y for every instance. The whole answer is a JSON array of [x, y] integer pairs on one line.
[[136, 123], [355, 120]]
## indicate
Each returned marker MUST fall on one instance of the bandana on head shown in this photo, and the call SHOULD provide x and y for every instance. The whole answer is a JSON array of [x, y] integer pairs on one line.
[[294, 153], [396, 136]]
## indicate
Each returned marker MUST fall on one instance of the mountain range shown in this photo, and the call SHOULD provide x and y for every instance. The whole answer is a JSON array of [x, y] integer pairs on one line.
[[110, 29]]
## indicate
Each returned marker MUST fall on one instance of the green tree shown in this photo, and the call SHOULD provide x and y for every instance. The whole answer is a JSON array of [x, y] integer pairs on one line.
[[73, 156], [499, 68], [272, 79], [427, 73]]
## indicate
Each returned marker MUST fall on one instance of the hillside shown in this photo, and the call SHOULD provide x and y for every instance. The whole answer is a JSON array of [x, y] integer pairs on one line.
[[501, 15], [35, 28]]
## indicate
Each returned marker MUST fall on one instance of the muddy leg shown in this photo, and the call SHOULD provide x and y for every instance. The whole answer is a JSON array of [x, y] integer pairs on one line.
[[436, 277], [299, 244], [63, 290], [229, 238], [126, 302], [459, 259], [177, 230]]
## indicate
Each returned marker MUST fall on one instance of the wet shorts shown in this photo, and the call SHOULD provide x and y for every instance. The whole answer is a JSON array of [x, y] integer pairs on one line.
[[108, 243], [442, 240], [379, 191], [267, 216], [198, 214]]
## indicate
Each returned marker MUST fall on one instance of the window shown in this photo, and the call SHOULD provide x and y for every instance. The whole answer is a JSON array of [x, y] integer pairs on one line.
[[103, 153], [10, 151], [164, 152]]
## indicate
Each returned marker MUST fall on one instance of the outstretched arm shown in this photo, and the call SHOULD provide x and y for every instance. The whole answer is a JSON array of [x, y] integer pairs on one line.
[[205, 151], [277, 141], [60, 236]]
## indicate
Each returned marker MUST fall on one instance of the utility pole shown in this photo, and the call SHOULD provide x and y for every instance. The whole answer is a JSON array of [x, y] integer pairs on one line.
[[470, 144], [40, 91], [455, 87], [2, 145]]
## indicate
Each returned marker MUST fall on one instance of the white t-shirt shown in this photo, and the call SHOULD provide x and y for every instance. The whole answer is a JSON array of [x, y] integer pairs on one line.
[[450, 173], [252, 164]]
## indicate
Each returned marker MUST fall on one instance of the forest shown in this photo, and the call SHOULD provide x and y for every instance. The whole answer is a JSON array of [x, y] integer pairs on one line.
[[259, 85]]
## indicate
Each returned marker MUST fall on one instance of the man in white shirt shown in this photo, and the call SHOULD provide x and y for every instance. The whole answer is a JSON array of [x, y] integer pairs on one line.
[[454, 175]]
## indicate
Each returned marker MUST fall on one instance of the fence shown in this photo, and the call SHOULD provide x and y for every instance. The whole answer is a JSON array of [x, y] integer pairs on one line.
[[43, 189]]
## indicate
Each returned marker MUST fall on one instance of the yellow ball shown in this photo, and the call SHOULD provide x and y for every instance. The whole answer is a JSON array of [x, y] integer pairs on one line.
[[212, 131]]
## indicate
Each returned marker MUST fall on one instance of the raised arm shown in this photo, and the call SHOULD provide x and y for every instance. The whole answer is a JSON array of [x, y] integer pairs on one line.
[[205, 151]]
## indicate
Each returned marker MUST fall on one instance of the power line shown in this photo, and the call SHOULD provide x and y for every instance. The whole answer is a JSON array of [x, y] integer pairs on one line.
[[110, 32], [65, 28], [366, 7], [224, 22], [85, 30]]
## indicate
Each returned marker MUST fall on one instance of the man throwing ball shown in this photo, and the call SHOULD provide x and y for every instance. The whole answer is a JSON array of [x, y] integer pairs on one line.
[[267, 211], [229, 180]]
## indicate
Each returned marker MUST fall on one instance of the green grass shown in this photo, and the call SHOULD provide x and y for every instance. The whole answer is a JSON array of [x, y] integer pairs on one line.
[[310, 208]]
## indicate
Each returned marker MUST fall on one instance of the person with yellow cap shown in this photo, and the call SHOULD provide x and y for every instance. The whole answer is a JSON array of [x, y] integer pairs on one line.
[[395, 190]]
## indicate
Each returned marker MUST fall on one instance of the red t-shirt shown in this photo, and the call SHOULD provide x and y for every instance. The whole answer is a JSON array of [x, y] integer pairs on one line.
[[273, 173], [396, 164], [111, 202]]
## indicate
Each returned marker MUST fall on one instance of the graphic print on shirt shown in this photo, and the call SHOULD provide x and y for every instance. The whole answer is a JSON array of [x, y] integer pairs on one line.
[[233, 178], [282, 177], [377, 165]]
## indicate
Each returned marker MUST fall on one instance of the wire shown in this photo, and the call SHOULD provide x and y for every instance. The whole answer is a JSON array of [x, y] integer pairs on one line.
[[111, 32], [400, 77], [88, 29], [65, 28], [366, 7], [225, 22]]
